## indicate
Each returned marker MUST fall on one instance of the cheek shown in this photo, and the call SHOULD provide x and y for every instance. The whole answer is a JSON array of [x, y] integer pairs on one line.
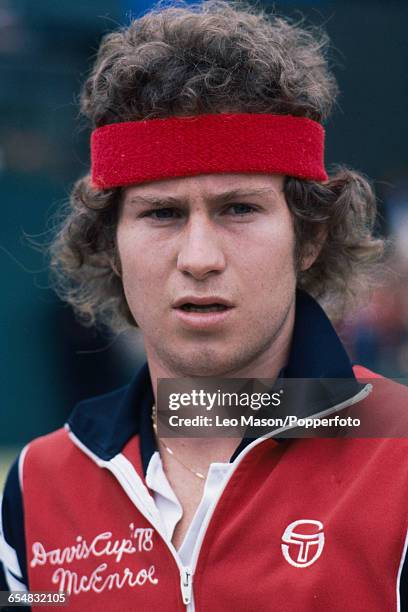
[[141, 271], [269, 283], [269, 256]]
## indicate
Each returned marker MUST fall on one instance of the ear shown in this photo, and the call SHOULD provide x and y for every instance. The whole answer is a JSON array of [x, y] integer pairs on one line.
[[312, 249]]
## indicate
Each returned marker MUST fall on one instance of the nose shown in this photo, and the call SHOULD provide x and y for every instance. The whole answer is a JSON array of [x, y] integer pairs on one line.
[[200, 254]]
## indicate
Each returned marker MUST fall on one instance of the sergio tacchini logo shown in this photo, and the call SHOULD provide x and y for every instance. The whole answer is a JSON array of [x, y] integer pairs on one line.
[[303, 542]]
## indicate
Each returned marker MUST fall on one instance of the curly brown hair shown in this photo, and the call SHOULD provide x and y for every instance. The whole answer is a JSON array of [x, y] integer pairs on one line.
[[214, 57]]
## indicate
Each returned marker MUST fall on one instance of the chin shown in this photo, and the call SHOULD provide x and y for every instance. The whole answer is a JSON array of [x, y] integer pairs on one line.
[[208, 362], [201, 363]]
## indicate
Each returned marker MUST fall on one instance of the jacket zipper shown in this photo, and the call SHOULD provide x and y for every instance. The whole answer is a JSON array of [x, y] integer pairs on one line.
[[186, 585], [131, 482]]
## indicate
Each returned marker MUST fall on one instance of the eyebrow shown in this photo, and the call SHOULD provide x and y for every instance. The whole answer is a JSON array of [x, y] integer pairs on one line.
[[222, 198]]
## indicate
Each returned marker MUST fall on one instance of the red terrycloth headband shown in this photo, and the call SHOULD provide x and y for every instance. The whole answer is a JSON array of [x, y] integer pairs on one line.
[[139, 151]]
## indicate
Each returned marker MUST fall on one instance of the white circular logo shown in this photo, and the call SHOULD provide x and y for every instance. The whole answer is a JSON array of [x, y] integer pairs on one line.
[[303, 542]]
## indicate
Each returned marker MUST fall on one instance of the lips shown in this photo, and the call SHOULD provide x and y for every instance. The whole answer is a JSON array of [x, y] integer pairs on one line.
[[203, 313], [189, 307], [202, 303]]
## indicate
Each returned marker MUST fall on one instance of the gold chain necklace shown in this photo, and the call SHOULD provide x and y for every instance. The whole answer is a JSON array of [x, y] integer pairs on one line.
[[168, 449]]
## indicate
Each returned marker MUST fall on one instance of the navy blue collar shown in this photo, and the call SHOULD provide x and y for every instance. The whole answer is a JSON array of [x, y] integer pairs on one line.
[[316, 350], [105, 423]]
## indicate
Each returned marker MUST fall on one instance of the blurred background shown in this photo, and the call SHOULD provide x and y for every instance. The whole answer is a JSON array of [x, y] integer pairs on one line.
[[48, 362]]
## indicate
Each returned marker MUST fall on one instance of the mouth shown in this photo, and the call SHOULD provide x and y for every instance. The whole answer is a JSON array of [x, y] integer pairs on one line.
[[203, 308], [203, 313]]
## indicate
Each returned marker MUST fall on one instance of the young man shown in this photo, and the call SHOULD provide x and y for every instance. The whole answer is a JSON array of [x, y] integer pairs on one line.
[[209, 222]]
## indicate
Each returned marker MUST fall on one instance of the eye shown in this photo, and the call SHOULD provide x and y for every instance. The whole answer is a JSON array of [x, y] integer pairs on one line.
[[240, 209], [163, 213]]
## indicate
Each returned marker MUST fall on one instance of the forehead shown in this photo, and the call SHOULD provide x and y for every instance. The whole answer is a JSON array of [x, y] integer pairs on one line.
[[208, 186]]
